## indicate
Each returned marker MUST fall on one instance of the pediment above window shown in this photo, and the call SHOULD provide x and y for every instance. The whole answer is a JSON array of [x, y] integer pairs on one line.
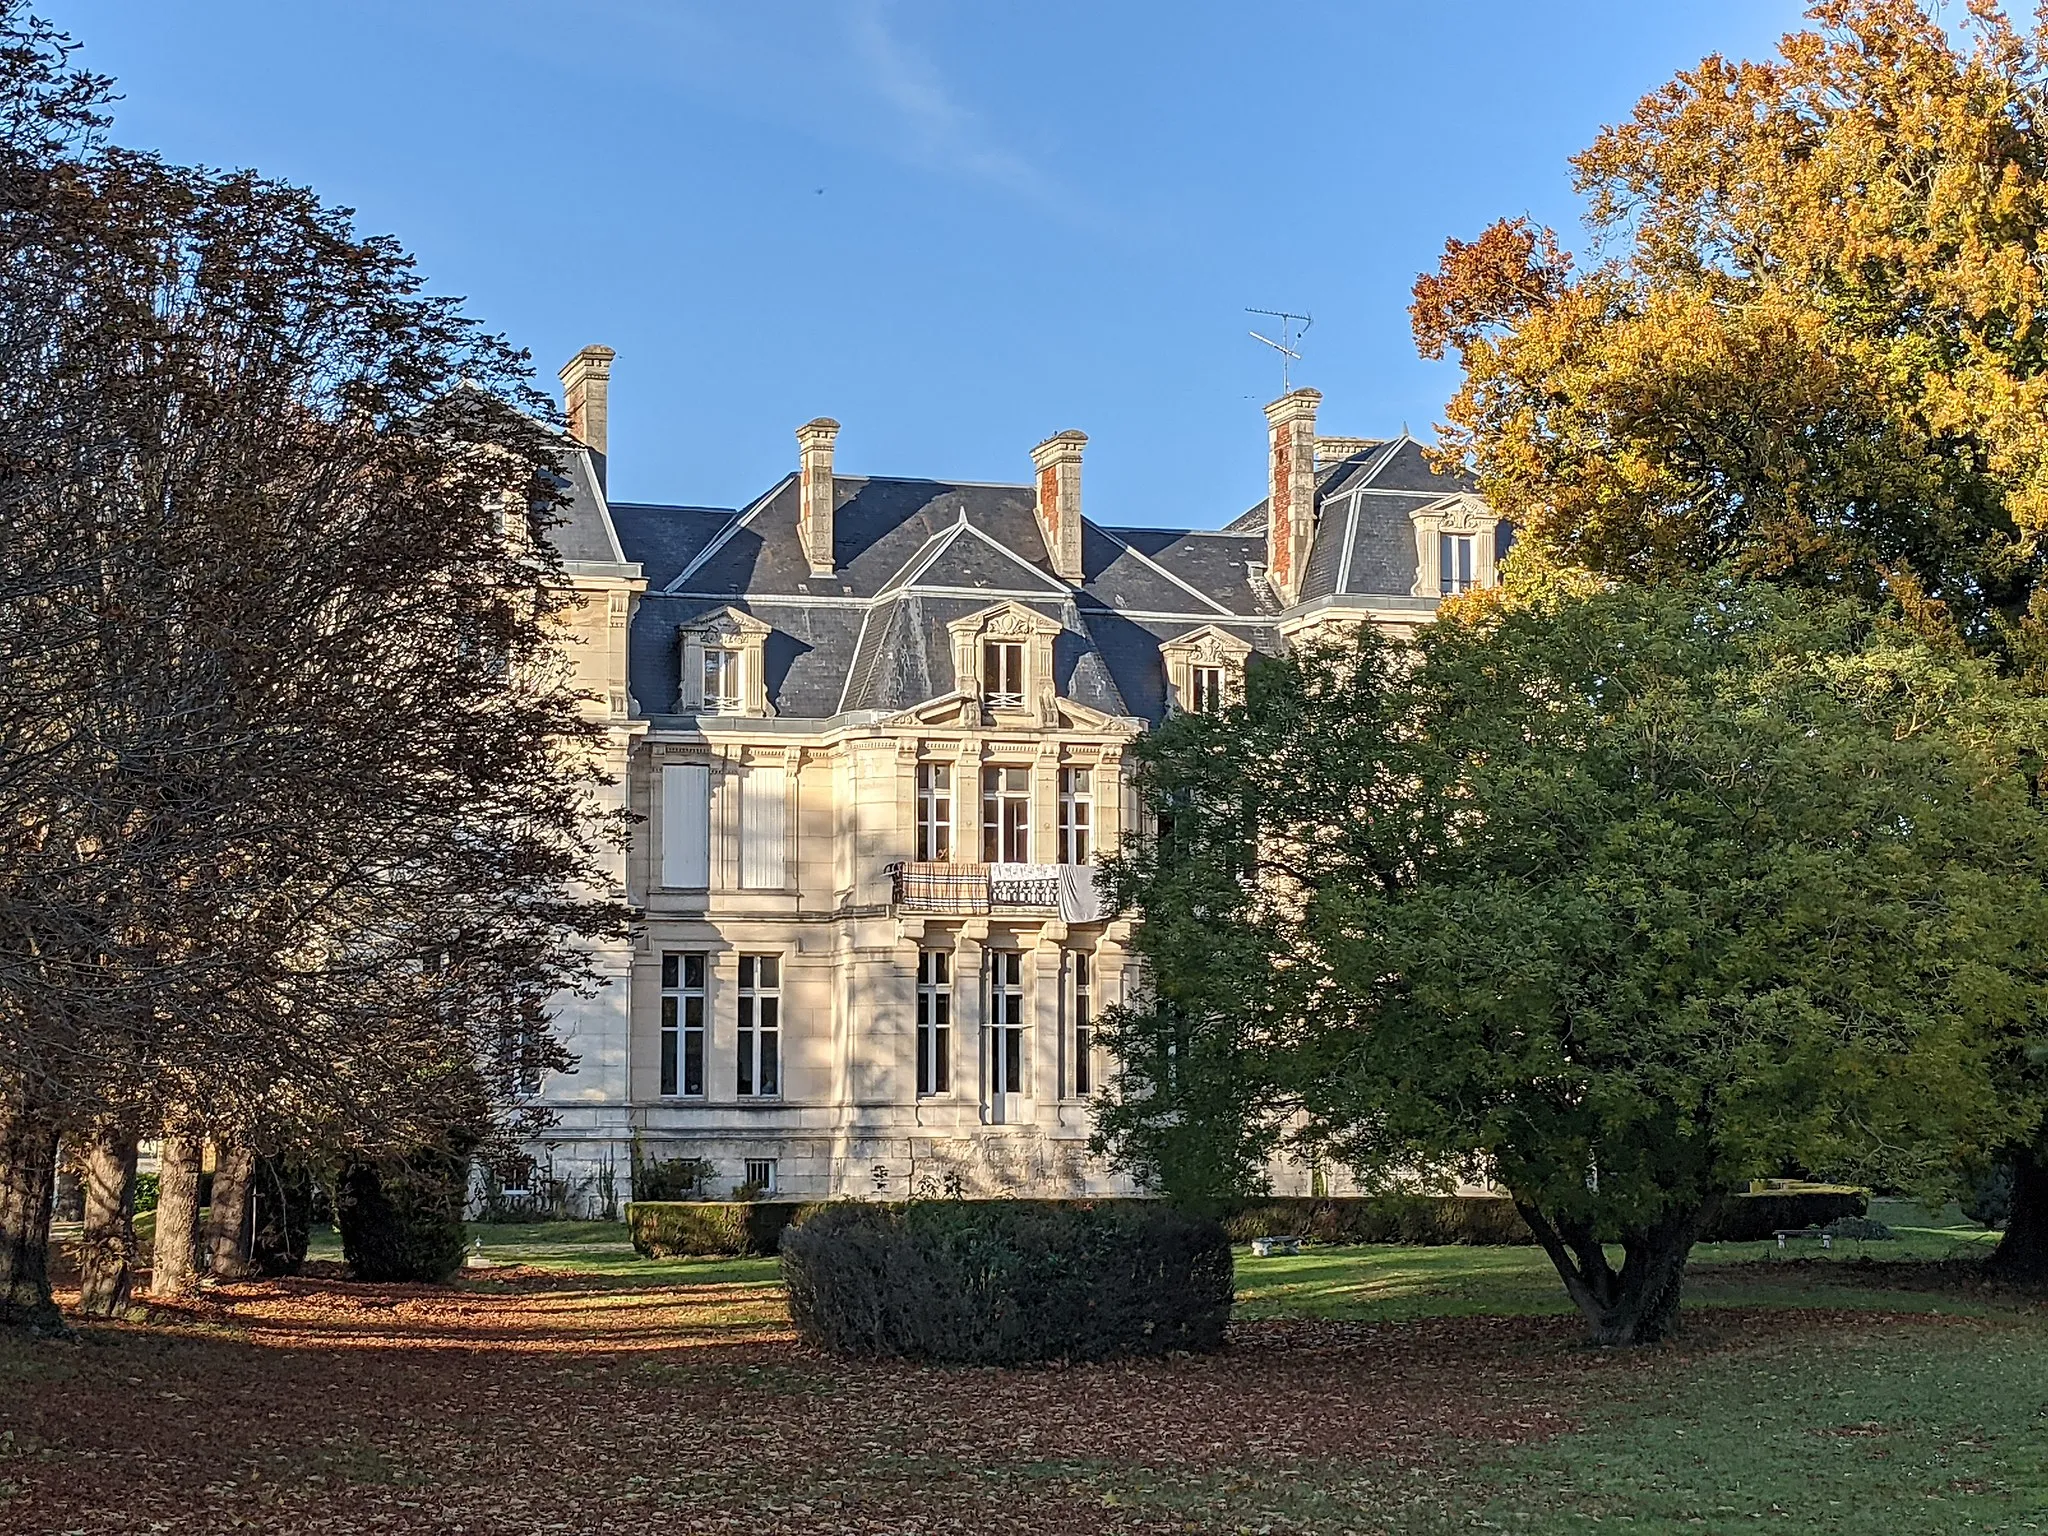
[[1204, 669], [723, 664]]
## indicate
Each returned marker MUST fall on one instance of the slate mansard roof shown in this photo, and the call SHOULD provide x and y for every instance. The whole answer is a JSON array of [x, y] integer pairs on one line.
[[914, 555]]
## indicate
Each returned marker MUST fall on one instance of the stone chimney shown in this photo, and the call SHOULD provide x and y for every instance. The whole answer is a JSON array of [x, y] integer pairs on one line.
[[1290, 489], [1058, 462], [586, 400], [814, 440]]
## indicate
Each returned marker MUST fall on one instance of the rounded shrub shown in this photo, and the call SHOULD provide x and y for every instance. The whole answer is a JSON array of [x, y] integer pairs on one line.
[[999, 1282], [402, 1219]]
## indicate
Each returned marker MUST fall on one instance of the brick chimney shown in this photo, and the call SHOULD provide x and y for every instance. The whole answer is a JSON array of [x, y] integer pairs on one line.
[[814, 440], [1290, 489], [586, 400], [1058, 462]]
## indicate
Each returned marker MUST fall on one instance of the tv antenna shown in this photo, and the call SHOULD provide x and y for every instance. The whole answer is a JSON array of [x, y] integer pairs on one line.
[[1290, 340]]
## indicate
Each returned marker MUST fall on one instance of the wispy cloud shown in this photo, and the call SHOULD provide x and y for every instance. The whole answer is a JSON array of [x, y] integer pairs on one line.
[[933, 128], [850, 72]]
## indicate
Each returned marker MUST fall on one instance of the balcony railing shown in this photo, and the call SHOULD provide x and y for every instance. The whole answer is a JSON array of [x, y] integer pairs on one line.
[[968, 890]]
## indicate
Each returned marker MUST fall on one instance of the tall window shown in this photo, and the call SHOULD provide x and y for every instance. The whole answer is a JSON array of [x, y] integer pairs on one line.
[[1206, 686], [722, 681], [934, 1021], [1454, 562], [1077, 815], [760, 1023], [1006, 815], [1005, 1022], [1084, 1024], [934, 812], [1002, 674], [682, 1025]]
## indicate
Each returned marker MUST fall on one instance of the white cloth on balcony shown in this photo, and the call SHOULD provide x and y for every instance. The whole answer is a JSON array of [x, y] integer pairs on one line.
[[1081, 899]]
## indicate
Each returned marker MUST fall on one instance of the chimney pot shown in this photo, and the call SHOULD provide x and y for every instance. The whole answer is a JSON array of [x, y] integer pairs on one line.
[[816, 492], [1057, 461], [586, 400]]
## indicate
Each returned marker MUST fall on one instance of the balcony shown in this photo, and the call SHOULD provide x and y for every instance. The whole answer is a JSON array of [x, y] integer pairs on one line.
[[976, 890]]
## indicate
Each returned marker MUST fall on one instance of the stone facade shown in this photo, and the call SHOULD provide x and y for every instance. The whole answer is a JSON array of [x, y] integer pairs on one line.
[[875, 734]]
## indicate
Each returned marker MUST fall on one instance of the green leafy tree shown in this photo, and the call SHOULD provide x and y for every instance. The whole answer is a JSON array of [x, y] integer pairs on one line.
[[1618, 897], [1809, 339]]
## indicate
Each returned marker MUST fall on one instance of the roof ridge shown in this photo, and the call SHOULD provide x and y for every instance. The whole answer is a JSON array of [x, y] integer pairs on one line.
[[719, 539], [1162, 570]]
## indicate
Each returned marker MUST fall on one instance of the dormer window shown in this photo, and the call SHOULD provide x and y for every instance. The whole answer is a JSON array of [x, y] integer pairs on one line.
[[1204, 670], [1458, 546], [722, 692], [724, 665], [1002, 674], [1455, 563]]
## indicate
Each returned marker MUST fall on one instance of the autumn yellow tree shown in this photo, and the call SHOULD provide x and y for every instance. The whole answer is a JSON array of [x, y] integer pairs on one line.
[[1807, 340]]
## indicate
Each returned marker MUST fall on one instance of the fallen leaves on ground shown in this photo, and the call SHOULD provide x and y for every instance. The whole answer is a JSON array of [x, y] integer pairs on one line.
[[523, 1401]]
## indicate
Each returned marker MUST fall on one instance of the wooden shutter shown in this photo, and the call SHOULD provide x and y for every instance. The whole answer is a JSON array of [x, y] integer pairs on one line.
[[685, 826], [764, 829]]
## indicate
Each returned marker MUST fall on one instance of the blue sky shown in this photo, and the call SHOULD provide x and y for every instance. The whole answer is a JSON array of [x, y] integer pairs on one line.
[[958, 228]]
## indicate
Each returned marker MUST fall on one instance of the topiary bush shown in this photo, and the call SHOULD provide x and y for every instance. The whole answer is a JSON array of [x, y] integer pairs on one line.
[[401, 1219], [1753, 1218], [1426, 1221], [684, 1229], [1000, 1282]]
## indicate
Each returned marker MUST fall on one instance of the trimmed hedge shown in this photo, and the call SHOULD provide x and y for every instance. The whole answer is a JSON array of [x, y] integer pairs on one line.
[[1000, 1282], [684, 1229], [1753, 1218], [714, 1228], [1492, 1220]]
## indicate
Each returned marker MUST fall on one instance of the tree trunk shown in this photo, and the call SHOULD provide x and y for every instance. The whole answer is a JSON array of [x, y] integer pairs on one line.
[[227, 1219], [1638, 1303], [174, 1269], [28, 1174], [2022, 1254], [106, 1258]]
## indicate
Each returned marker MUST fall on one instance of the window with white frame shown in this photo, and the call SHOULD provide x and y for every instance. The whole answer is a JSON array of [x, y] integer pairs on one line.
[[1455, 562], [1002, 674], [761, 1174], [760, 1026], [1084, 1023], [934, 1021], [1077, 815], [934, 812], [1005, 815], [1205, 690], [1005, 1022], [682, 1025], [723, 693]]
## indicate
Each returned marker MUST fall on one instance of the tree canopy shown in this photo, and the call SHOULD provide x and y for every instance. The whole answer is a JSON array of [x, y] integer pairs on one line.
[[1809, 340], [1616, 897], [296, 837]]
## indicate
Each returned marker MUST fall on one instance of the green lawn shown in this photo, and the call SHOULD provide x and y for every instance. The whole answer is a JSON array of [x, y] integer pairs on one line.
[[1930, 1417]]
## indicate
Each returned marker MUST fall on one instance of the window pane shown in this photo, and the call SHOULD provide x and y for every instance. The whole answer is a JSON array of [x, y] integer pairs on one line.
[[668, 969], [769, 964], [747, 971], [668, 1013], [693, 972], [668, 1062], [693, 1062], [770, 1082]]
